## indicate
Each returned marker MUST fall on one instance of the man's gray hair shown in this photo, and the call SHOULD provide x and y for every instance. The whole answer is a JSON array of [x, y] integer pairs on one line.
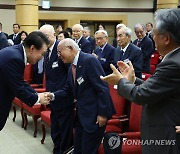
[[139, 25], [127, 30], [87, 28], [79, 26], [102, 31], [168, 22], [120, 25], [68, 42]]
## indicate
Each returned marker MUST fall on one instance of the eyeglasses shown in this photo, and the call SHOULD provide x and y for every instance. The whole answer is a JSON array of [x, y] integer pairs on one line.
[[60, 50], [76, 31], [100, 38]]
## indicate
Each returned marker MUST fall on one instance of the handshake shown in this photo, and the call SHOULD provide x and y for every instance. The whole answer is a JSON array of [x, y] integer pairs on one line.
[[45, 98]]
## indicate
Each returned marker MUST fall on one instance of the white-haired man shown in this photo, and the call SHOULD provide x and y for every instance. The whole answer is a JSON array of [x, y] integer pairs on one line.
[[118, 27], [84, 44], [105, 52], [62, 112], [93, 102]]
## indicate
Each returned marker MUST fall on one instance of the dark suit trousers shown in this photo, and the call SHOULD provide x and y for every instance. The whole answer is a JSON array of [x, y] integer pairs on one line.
[[85, 142], [62, 129]]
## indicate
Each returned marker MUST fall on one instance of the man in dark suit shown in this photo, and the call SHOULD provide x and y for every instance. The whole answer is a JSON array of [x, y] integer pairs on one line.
[[3, 39], [149, 28], [16, 37], [87, 35], [145, 44], [62, 112], [93, 102], [118, 27], [12, 64], [159, 95], [84, 44], [105, 52], [128, 51]]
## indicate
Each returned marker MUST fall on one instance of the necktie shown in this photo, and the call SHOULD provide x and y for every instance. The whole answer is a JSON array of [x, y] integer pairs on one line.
[[99, 53], [46, 60], [74, 72], [138, 42], [121, 54], [14, 36]]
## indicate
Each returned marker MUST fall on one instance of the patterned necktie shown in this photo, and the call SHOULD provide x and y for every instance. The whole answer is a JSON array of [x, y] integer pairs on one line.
[[138, 42], [74, 72], [46, 59]]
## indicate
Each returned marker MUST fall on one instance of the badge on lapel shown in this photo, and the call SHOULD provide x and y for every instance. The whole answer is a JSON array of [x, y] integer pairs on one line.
[[55, 64], [80, 80]]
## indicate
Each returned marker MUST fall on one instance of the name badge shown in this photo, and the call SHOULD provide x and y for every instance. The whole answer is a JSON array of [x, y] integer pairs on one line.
[[103, 59], [80, 80], [115, 86], [55, 64]]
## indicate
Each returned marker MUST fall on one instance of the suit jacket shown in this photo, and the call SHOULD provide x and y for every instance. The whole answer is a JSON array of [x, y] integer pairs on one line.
[[106, 57], [3, 41], [134, 54], [56, 76], [147, 48], [85, 45], [93, 43], [17, 40], [160, 98], [11, 80], [92, 94]]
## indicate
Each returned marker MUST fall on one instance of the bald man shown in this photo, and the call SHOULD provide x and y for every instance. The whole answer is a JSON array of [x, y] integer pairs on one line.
[[93, 101], [61, 111], [83, 43]]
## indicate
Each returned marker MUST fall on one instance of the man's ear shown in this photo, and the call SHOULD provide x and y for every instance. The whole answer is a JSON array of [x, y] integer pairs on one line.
[[31, 49], [167, 39]]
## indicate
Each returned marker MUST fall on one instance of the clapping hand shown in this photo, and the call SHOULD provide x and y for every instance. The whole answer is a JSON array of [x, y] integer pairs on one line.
[[127, 70], [114, 77], [177, 129]]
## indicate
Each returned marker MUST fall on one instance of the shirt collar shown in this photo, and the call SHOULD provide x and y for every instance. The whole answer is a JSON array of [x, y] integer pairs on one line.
[[124, 50], [75, 61], [25, 56], [52, 46], [78, 39], [168, 54], [103, 46], [87, 37]]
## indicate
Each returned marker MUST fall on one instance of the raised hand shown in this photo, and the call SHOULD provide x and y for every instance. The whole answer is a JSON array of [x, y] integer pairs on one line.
[[127, 70], [177, 129], [114, 77]]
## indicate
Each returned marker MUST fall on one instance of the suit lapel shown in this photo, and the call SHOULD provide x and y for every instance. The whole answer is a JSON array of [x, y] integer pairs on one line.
[[126, 54], [53, 56]]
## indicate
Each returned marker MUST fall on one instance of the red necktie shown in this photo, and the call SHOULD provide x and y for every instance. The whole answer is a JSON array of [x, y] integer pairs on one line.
[[138, 42], [74, 72]]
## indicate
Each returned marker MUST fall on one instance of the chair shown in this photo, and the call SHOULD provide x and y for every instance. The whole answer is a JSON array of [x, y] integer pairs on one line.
[[16, 102], [45, 121], [34, 111], [153, 68], [145, 76], [114, 125], [154, 59], [132, 134]]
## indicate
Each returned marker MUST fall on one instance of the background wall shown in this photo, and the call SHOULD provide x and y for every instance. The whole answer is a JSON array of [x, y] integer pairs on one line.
[[7, 16]]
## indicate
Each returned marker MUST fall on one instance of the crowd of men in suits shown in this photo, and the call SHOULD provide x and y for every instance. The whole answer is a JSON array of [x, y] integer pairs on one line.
[[91, 58]]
